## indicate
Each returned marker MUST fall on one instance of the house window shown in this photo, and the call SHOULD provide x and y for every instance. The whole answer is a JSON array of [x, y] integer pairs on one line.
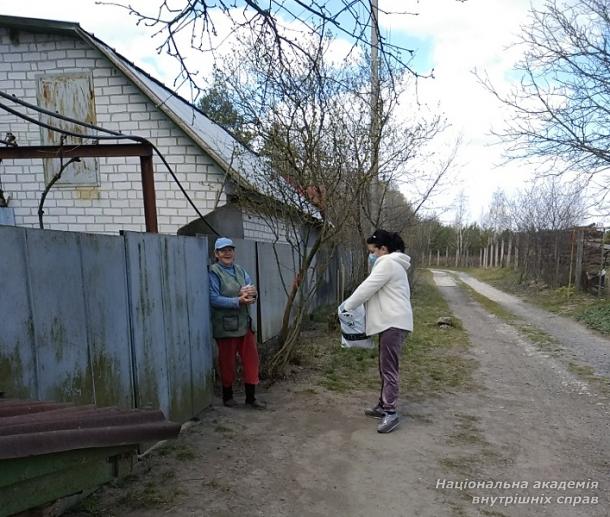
[[71, 95]]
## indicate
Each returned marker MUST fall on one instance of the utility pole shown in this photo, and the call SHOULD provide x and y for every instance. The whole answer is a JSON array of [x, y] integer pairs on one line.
[[375, 201]]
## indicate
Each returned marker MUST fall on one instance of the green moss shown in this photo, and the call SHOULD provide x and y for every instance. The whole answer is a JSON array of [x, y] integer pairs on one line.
[[107, 380], [12, 374]]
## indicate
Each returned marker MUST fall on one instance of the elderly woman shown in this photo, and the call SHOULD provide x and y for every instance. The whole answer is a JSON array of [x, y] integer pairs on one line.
[[387, 299], [231, 292]]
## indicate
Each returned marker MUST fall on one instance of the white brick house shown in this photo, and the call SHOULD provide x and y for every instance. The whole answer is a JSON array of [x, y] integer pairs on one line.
[[46, 62]]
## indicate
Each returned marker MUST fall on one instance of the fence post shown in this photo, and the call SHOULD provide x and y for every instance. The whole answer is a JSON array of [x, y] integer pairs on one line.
[[580, 236], [500, 262]]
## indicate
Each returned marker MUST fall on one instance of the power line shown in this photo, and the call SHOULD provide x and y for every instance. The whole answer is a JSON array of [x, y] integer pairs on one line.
[[110, 135]]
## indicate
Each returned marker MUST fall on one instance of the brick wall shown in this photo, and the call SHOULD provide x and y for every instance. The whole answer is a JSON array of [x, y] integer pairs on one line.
[[259, 229], [116, 203]]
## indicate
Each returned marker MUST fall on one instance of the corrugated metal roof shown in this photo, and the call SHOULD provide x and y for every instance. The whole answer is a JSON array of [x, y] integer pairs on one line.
[[31, 428]]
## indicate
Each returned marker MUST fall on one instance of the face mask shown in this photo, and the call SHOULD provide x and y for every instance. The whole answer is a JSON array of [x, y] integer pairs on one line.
[[372, 259]]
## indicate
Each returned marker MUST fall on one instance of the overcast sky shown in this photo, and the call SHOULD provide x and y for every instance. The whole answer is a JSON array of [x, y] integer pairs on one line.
[[452, 37]]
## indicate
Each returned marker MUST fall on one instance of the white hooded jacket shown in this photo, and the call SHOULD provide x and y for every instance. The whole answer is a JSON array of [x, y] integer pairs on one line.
[[385, 294]]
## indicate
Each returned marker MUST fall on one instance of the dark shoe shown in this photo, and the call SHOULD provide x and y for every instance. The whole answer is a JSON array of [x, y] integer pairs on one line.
[[375, 412], [229, 403], [256, 404], [389, 422]]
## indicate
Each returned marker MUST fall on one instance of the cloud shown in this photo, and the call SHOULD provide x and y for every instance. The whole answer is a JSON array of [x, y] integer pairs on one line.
[[461, 38]]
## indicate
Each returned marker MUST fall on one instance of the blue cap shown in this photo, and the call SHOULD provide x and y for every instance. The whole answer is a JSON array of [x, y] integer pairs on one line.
[[223, 242]]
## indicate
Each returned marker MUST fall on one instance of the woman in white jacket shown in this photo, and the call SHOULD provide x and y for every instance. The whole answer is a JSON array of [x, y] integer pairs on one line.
[[387, 299]]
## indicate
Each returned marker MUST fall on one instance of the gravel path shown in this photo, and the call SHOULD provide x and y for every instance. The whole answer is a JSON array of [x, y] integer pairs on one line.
[[584, 345], [542, 421]]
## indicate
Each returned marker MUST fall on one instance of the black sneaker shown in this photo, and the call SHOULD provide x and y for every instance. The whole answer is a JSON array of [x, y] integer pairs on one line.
[[375, 412], [256, 404], [229, 403]]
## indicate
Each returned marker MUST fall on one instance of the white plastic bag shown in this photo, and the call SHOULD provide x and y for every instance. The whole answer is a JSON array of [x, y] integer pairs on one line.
[[353, 328]]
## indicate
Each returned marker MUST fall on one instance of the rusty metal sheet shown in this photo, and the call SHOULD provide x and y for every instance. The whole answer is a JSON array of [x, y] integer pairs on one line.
[[38, 427], [11, 408]]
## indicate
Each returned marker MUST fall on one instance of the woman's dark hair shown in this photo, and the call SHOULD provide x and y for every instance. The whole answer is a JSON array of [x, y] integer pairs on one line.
[[392, 241]]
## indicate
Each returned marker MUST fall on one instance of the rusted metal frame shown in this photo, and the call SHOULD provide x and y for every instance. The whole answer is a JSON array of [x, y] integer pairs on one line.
[[74, 151], [144, 151], [148, 191]]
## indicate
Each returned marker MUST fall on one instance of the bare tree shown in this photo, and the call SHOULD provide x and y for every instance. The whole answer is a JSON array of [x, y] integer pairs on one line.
[[542, 216], [185, 25], [561, 107], [312, 129], [459, 224]]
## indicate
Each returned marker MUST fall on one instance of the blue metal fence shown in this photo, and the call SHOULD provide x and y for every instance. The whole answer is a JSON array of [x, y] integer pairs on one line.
[[108, 320], [124, 320]]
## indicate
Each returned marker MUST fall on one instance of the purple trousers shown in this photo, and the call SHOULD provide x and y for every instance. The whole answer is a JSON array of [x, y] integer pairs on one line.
[[390, 346]]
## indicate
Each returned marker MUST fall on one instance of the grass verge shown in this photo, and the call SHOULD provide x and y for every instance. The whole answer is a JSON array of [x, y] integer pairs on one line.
[[434, 360]]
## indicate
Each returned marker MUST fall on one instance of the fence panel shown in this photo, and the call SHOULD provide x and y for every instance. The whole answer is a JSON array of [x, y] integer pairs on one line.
[[107, 310], [198, 310], [174, 284], [60, 323], [17, 345], [272, 277], [148, 328]]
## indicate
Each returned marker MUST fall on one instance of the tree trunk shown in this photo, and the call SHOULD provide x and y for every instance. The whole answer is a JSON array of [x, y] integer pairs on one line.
[[501, 255]]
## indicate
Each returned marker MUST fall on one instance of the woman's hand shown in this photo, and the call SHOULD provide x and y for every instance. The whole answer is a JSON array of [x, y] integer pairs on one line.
[[246, 299]]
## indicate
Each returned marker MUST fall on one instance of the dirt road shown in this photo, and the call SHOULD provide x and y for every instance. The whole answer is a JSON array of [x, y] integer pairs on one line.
[[577, 341], [530, 429]]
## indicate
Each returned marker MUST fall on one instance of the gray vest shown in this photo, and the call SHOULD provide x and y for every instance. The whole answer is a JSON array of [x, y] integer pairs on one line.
[[230, 322]]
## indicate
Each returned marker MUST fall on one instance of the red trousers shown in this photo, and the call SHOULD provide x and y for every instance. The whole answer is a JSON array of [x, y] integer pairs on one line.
[[245, 346]]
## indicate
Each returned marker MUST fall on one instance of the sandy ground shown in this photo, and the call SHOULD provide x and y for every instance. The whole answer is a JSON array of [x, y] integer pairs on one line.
[[313, 452]]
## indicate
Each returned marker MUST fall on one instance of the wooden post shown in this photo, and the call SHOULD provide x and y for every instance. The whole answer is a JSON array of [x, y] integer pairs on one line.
[[500, 262], [580, 238]]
